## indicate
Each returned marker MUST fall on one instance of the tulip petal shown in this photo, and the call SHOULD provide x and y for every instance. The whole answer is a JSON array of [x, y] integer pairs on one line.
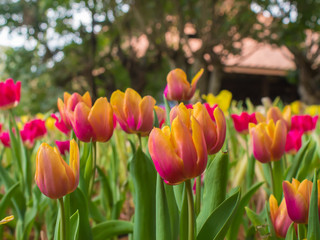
[[167, 163], [131, 107], [145, 121], [194, 82], [273, 203], [177, 84], [183, 143], [74, 161], [117, 103], [279, 140], [221, 130], [81, 124], [101, 119], [261, 143], [86, 98]]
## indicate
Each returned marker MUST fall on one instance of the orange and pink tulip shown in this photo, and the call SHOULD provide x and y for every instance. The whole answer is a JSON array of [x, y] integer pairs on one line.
[[93, 124], [268, 140], [178, 88], [279, 216], [134, 114], [54, 177], [179, 153]]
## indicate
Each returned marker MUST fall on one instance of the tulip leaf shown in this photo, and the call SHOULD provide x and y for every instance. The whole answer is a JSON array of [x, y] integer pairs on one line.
[[74, 226], [166, 104], [240, 211], [297, 160], [305, 166], [259, 221], [112, 228], [163, 227], [215, 185], [144, 181], [291, 233], [106, 191], [313, 222], [218, 223], [178, 191], [79, 202], [6, 200]]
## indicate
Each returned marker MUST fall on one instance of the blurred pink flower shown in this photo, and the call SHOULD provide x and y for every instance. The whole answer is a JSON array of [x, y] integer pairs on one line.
[[304, 123], [241, 122], [10, 94], [63, 146]]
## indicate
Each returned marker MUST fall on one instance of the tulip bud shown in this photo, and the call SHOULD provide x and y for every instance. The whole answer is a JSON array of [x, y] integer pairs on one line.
[[54, 177], [178, 88]]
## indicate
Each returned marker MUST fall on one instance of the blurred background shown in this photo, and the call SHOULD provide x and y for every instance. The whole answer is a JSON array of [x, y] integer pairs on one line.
[[252, 48]]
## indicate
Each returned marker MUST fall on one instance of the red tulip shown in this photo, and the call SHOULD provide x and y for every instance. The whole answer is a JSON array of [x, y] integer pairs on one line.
[[63, 146], [293, 143], [241, 122], [32, 131], [304, 123]]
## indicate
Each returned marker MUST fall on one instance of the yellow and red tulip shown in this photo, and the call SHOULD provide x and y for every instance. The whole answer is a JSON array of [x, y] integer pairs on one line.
[[268, 140], [275, 114], [54, 177], [10, 94], [178, 88], [279, 216], [134, 114], [297, 196], [93, 124], [179, 154]]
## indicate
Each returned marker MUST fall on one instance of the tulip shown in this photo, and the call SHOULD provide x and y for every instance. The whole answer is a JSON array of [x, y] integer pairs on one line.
[[63, 146], [214, 130], [241, 122], [275, 114], [279, 216], [67, 107], [268, 140], [60, 125], [178, 88], [294, 142], [134, 115], [54, 177], [0, 127], [297, 107], [223, 100], [304, 123], [32, 131], [5, 139], [179, 154], [297, 196], [96, 123], [10, 94]]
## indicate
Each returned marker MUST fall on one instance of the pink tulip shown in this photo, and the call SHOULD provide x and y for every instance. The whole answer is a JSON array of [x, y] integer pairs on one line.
[[60, 125], [5, 139], [304, 123], [293, 143], [10, 94], [63, 146], [32, 131], [241, 122]]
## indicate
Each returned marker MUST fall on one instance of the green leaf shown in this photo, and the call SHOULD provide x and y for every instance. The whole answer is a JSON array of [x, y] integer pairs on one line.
[[258, 221], [218, 223], [163, 227], [166, 104], [305, 167], [291, 233], [233, 232], [173, 210], [74, 225], [144, 181], [313, 222], [79, 202], [112, 228], [215, 185], [6, 200], [297, 160]]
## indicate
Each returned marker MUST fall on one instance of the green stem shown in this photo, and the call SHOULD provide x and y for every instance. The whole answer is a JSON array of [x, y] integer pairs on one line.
[[277, 178], [63, 220], [140, 142], [94, 155], [191, 218], [271, 175], [250, 167], [198, 195]]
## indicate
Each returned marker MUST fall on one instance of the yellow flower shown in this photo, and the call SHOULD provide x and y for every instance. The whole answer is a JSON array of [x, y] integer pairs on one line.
[[223, 99], [313, 110], [6, 219]]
